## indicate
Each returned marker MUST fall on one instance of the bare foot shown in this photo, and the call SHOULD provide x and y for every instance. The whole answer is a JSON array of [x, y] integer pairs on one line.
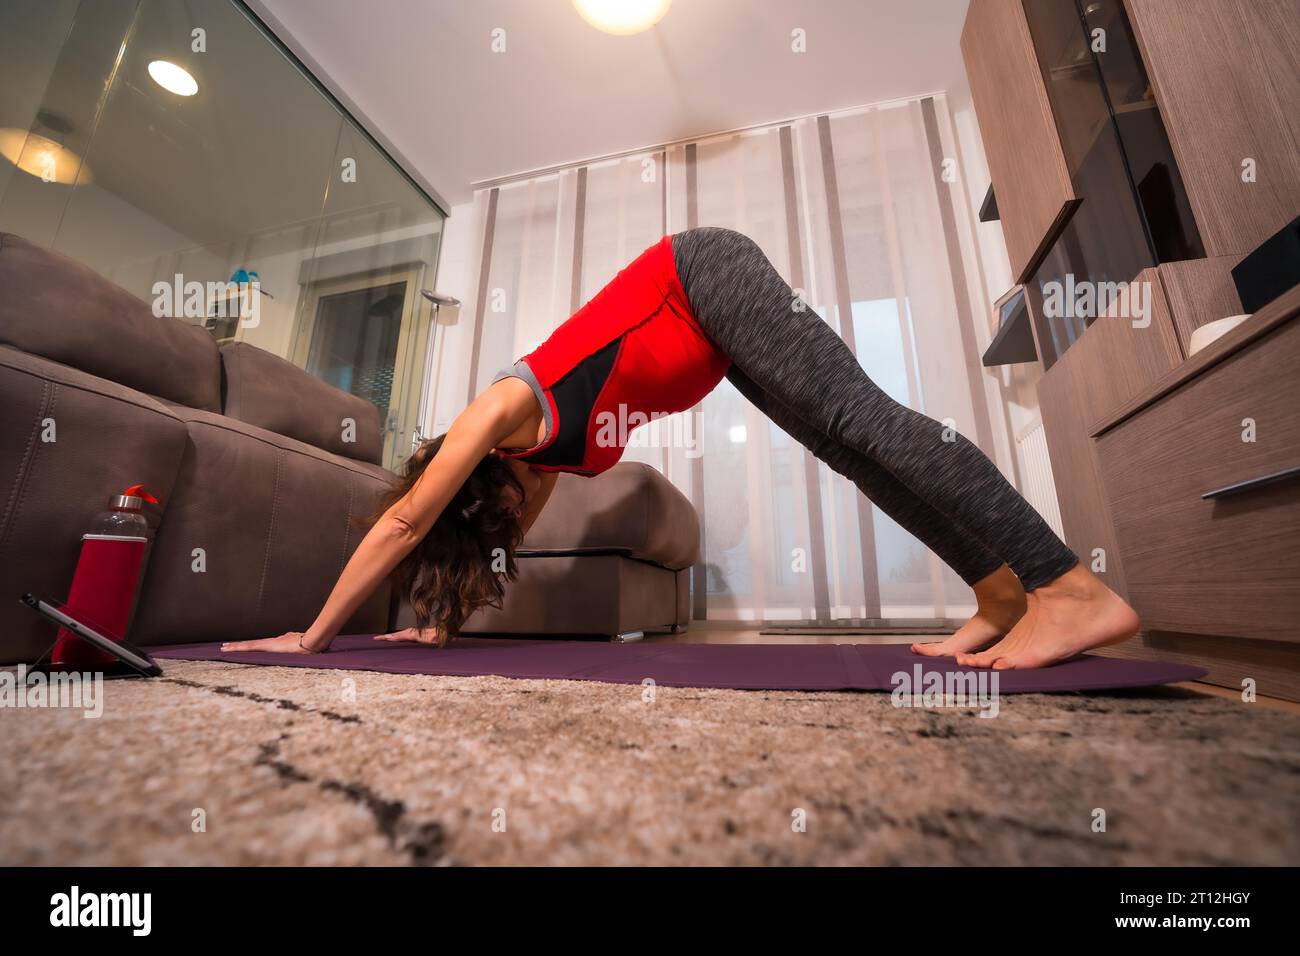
[[1073, 614], [1000, 604]]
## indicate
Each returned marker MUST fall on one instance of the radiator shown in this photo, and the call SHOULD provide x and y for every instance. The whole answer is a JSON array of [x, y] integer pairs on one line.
[[1038, 488]]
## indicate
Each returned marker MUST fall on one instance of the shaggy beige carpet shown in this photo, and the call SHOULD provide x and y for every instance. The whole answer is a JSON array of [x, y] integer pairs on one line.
[[289, 766]]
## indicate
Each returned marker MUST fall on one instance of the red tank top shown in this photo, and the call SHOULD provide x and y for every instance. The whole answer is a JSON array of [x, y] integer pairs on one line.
[[632, 354]]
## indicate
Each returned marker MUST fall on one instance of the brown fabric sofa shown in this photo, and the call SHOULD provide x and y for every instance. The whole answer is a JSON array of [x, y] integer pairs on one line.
[[260, 479], [244, 450], [608, 556]]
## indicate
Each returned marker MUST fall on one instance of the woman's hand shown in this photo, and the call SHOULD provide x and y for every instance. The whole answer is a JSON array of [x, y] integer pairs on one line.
[[290, 643], [427, 636], [490, 418]]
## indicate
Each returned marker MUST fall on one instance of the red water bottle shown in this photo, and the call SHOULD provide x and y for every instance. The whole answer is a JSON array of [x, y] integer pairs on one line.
[[107, 579]]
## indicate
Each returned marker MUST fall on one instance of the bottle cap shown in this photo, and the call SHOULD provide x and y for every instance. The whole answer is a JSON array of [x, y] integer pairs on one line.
[[132, 499]]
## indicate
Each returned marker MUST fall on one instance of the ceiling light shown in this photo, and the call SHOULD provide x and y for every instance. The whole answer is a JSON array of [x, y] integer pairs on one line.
[[622, 17], [172, 78], [42, 157]]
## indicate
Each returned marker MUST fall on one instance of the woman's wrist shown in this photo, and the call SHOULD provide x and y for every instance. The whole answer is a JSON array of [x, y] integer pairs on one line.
[[311, 641]]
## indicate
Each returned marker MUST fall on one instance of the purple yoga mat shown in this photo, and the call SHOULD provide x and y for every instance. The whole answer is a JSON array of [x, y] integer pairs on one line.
[[734, 666]]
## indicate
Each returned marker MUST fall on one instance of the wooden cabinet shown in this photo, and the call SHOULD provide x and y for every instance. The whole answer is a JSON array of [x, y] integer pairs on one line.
[[1109, 365], [1226, 75], [1126, 162], [1215, 579], [1023, 148], [1227, 563], [1176, 136]]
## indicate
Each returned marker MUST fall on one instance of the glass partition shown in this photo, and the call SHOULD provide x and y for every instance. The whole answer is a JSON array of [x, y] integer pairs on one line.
[[166, 144]]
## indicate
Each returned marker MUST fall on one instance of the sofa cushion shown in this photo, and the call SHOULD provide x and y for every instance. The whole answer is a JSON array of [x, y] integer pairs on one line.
[[68, 441], [604, 594], [58, 308], [274, 519], [267, 391], [631, 508]]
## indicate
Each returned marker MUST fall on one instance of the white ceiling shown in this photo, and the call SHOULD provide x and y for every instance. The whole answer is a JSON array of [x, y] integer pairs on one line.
[[424, 74]]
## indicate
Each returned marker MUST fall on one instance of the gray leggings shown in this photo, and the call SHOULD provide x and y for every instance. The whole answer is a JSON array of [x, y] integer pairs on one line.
[[798, 372]]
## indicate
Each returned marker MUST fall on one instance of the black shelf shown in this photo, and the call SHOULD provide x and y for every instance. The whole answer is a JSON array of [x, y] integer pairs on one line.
[[1014, 342], [989, 207]]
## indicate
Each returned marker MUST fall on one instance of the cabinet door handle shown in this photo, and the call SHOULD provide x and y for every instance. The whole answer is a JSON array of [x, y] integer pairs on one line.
[[1250, 484]]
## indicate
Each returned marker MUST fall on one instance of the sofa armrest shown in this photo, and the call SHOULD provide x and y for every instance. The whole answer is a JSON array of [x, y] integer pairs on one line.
[[630, 509]]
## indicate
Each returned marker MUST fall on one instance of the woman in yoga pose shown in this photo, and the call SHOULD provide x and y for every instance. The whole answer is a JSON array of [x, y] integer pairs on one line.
[[695, 307]]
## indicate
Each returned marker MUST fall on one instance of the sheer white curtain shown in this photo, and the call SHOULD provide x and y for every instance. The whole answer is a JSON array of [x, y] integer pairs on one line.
[[860, 211]]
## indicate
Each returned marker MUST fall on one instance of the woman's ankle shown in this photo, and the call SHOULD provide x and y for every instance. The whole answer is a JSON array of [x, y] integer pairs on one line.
[[1078, 584], [999, 590]]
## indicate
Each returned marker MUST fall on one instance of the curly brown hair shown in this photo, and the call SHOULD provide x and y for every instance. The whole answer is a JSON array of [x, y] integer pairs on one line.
[[467, 557]]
